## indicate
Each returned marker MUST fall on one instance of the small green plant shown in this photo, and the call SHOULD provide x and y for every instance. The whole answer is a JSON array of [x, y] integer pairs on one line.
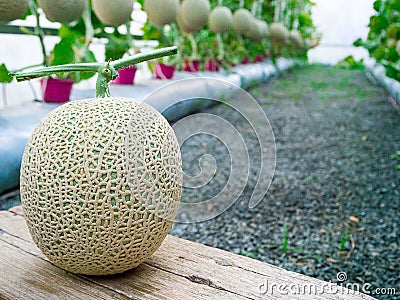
[[308, 179], [285, 238], [397, 158], [344, 239], [351, 63]]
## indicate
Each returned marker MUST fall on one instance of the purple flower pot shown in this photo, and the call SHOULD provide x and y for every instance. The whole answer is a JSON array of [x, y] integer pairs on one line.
[[245, 60], [259, 58], [126, 76], [212, 65], [56, 90], [163, 71], [191, 66]]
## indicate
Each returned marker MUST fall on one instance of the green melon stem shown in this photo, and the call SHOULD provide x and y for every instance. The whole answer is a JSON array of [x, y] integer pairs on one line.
[[221, 50], [87, 19], [193, 45], [107, 71]]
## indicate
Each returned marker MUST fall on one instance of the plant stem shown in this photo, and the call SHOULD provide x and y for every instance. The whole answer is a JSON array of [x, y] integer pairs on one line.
[[142, 57], [221, 51], [176, 41], [107, 71], [106, 74], [193, 45], [129, 38], [87, 19], [38, 30]]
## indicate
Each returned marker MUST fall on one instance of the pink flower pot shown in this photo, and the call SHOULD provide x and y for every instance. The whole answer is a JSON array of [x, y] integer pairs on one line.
[[126, 76], [191, 66], [56, 90], [245, 60], [163, 71], [212, 66], [259, 58]]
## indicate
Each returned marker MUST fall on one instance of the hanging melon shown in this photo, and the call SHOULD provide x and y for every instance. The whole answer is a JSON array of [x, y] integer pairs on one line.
[[264, 28], [242, 19], [279, 33], [180, 22], [296, 39], [194, 14], [161, 12], [113, 12], [258, 30], [220, 20], [100, 184], [63, 11], [12, 9]]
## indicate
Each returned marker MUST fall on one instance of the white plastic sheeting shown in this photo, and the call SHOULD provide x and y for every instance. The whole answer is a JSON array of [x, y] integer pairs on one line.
[[379, 73]]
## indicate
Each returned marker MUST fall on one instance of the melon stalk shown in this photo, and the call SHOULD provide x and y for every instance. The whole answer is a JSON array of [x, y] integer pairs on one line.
[[106, 71]]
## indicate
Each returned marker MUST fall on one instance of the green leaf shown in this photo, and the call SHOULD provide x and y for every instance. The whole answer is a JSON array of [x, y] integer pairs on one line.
[[116, 47], [5, 76], [63, 52], [377, 5]]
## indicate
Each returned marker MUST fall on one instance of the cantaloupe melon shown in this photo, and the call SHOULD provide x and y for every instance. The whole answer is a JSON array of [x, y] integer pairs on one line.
[[264, 28], [161, 12], [12, 9], [258, 30], [194, 13], [180, 22], [242, 20], [113, 12], [296, 39], [220, 19], [279, 33], [255, 31], [101, 184], [63, 11]]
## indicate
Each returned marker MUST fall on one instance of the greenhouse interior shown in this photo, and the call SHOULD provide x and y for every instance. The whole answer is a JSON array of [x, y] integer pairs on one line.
[[199, 149]]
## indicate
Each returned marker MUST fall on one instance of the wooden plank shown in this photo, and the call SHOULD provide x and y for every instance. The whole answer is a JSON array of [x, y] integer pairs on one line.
[[181, 269], [17, 210], [24, 276], [242, 275], [144, 282]]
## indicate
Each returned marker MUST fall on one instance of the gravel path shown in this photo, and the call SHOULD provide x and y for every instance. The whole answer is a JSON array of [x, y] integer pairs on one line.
[[336, 186]]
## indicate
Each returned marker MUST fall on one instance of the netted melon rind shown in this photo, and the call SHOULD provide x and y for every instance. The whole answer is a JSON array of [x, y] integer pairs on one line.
[[113, 12], [161, 12], [63, 11], [12, 9], [220, 19], [101, 184]]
